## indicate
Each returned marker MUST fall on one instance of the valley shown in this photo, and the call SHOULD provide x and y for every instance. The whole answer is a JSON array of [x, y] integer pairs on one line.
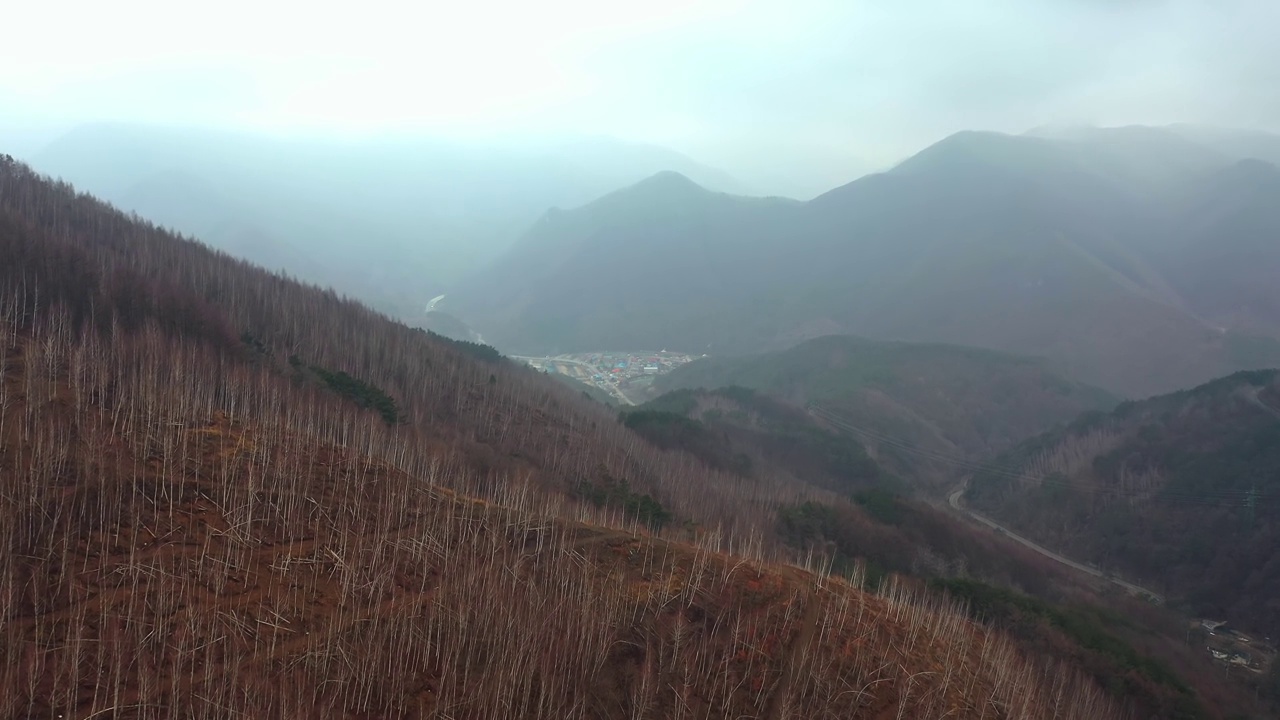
[[1172, 490], [972, 433], [705, 360], [954, 500]]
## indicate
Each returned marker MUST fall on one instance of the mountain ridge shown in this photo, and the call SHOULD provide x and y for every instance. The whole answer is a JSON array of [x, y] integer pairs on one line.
[[951, 401], [1048, 251]]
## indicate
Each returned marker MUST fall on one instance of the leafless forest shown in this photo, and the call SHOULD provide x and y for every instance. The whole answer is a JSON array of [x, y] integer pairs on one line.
[[191, 526]]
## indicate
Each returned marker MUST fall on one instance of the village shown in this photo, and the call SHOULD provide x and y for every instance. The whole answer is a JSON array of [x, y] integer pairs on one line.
[[624, 375]]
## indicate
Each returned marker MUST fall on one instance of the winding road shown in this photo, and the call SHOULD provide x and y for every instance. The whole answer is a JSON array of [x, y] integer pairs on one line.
[[1251, 395], [954, 500]]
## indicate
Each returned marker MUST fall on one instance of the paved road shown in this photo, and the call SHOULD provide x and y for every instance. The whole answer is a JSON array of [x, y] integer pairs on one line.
[[954, 500]]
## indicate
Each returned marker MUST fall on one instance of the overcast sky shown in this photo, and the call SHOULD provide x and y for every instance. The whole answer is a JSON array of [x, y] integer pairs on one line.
[[792, 96]]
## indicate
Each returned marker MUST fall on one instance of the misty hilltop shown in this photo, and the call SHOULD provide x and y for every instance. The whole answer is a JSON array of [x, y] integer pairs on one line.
[[391, 220], [1086, 249]]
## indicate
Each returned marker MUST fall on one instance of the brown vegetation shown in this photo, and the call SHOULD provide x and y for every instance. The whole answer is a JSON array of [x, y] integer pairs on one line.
[[157, 566], [192, 525]]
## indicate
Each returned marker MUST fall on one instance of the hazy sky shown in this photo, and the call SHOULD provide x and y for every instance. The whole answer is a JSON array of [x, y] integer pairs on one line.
[[791, 96]]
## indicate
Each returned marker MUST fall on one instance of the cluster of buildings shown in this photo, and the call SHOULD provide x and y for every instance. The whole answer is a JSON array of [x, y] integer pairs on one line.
[[629, 366], [1231, 647], [622, 374]]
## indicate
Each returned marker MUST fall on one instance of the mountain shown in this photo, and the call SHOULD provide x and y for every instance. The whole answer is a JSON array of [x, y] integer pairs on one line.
[[1239, 144], [1061, 248], [652, 245], [741, 431], [252, 490], [914, 405], [391, 220], [1178, 491], [1227, 236], [1143, 161], [228, 492], [889, 529]]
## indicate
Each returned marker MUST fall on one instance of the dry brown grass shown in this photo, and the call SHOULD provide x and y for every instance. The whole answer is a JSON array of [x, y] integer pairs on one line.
[[187, 531], [159, 565]]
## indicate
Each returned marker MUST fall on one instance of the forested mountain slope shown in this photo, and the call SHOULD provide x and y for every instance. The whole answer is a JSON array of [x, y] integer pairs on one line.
[[225, 492], [947, 401], [1179, 492], [1138, 652]]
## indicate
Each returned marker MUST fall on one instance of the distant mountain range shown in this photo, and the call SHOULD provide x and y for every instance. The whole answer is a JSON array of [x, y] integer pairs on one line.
[[393, 221], [1137, 259]]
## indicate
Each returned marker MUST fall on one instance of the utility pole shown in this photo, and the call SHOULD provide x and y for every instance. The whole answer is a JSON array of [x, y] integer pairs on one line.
[[1251, 502]]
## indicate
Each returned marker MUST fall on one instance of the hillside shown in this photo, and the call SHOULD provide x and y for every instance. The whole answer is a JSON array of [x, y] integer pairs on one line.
[[393, 221], [1057, 248], [229, 493], [244, 569], [1178, 491], [750, 433], [490, 419], [885, 529], [1128, 646], [939, 399]]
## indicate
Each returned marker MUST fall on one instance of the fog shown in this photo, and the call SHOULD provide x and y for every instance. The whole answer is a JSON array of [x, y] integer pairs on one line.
[[789, 97]]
